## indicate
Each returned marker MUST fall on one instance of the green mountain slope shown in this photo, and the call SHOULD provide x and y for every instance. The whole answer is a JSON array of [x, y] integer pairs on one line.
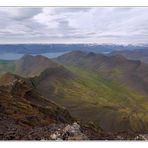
[[89, 97], [7, 66], [132, 74]]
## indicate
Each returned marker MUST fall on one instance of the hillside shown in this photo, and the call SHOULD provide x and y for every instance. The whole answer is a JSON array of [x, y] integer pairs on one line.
[[139, 54], [130, 73], [26, 115], [91, 97]]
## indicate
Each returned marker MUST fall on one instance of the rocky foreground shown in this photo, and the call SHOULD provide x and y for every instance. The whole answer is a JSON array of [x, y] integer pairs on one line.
[[60, 132]]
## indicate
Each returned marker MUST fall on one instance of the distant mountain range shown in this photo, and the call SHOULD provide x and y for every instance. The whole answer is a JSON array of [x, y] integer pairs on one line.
[[46, 48]]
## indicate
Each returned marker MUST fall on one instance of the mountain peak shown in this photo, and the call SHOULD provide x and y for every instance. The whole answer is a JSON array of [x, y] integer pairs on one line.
[[34, 57], [29, 66]]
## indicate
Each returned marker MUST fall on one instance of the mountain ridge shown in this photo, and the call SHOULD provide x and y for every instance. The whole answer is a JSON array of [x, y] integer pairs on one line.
[[138, 54], [112, 67]]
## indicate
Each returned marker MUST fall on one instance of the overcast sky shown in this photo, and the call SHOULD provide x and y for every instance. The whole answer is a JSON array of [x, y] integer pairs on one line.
[[74, 25]]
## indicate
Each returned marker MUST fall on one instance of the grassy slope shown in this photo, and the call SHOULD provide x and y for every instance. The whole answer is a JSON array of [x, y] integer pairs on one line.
[[7, 66], [113, 106]]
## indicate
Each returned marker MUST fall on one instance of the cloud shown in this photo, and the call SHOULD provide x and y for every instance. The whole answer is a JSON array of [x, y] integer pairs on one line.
[[20, 13], [74, 24], [70, 10]]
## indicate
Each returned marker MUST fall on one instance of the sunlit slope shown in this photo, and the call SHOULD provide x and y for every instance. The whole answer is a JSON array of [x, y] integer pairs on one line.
[[132, 74], [89, 97], [116, 89]]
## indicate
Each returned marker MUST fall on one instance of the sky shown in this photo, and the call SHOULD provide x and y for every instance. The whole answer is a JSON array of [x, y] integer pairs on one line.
[[109, 25]]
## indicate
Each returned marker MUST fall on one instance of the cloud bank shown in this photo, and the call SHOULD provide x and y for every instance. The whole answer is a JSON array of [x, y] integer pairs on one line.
[[74, 25]]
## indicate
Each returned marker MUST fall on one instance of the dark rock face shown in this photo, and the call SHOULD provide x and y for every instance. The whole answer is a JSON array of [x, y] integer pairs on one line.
[[21, 106]]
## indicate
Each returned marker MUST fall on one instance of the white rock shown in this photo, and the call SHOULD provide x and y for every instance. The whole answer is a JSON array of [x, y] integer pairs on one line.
[[75, 128], [53, 136]]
